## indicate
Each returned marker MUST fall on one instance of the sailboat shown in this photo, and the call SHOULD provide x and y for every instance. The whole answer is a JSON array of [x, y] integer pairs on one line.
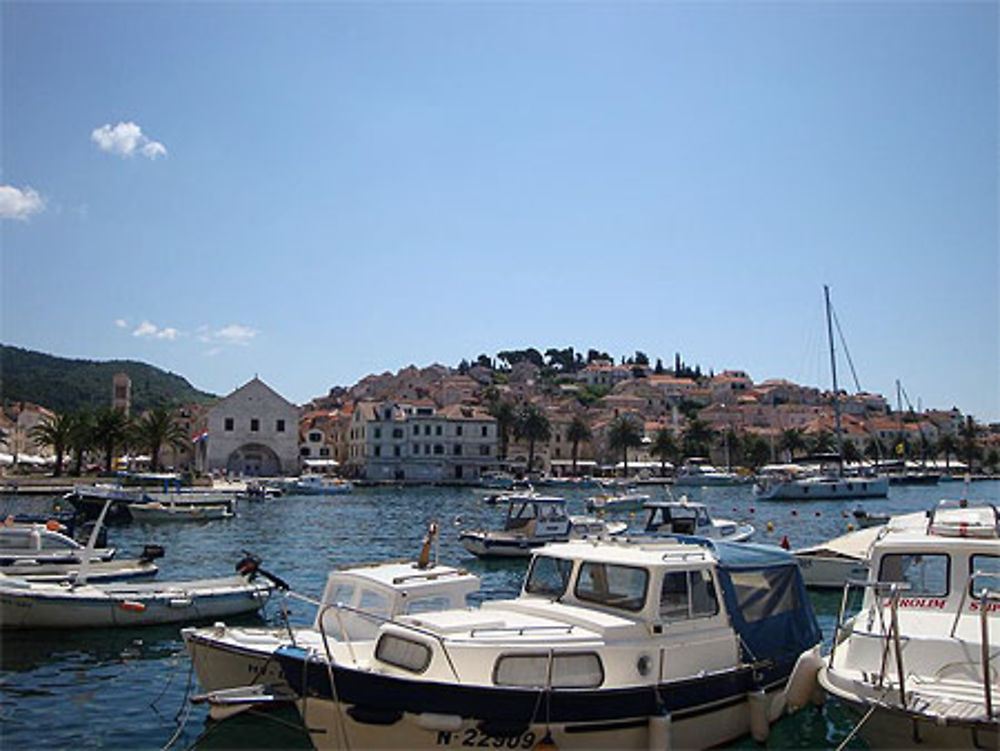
[[830, 485]]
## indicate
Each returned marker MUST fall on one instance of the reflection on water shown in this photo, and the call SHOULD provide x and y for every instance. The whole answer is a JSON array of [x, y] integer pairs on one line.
[[127, 689]]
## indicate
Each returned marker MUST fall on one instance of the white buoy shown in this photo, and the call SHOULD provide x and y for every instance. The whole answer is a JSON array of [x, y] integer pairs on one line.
[[659, 732], [760, 728]]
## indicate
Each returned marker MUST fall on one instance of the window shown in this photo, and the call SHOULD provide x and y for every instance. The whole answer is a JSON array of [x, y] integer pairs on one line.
[[403, 653], [437, 430], [926, 575], [416, 449], [988, 576], [229, 423], [486, 431], [610, 584], [395, 451], [324, 451], [279, 426], [458, 449], [583, 670], [484, 450], [378, 451], [427, 448], [315, 437], [458, 430], [397, 432], [378, 432], [254, 424], [427, 429], [430, 604], [762, 593], [687, 594], [416, 430], [548, 576], [438, 448], [304, 451]]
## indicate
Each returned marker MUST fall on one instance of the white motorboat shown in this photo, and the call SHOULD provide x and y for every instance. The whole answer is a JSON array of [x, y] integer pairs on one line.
[[532, 521], [155, 511], [700, 473], [686, 517], [28, 605], [227, 658], [630, 500], [831, 564], [118, 569], [920, 662], [43, 543], [658, 644], [318, 485]]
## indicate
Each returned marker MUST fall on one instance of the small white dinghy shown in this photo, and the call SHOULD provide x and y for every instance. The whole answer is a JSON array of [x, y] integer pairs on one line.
[[155, 511]]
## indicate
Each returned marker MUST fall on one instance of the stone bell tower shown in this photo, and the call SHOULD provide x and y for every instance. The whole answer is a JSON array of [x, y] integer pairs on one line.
[[121, 392]]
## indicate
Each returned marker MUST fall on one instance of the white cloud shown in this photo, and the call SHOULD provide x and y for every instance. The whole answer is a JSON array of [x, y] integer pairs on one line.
[[235, 333], [125, 139], [151, 330], [18, 203], [121, 323]]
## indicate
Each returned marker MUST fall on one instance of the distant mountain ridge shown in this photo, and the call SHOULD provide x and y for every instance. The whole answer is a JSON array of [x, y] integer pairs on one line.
[[67, 385]]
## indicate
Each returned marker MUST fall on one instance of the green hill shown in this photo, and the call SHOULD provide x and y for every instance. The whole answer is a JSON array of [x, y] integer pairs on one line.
[[66, 385]]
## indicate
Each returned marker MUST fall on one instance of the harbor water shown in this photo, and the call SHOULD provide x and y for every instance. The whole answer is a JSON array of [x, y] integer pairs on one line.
[[129, 688]]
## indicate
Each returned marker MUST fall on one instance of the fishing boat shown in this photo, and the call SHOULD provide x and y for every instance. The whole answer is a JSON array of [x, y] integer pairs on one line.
[[231, 661], [653, 644], [920, 662], [43, 543], [686, 517], [630, 500], [156, 511], [532, 521], [29, 605]]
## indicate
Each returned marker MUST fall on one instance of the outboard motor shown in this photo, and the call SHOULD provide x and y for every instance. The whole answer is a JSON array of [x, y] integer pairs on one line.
[[151, 553], [249, 566]]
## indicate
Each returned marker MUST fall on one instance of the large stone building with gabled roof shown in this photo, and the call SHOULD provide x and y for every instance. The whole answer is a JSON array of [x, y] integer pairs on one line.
[[254, 431]]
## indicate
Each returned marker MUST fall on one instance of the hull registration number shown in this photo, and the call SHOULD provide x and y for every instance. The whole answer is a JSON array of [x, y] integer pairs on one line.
[[475, 738]]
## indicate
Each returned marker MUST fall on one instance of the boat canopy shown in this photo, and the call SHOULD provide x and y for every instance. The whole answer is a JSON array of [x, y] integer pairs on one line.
[[766, 597]]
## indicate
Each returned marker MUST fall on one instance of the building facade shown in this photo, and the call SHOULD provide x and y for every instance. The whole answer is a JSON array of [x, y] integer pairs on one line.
[[253, 431]]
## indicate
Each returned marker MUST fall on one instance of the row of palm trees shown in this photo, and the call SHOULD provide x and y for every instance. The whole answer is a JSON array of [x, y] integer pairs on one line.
[[107, 432]]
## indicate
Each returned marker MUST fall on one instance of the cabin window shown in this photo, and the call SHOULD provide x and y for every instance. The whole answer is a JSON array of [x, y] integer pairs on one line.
[[581, 670], [548, 576], [609, 584], [687, 594], [374, 602], [926, 574], [343, 594], [403, 653], [762, 593], [428, 604], [988, 577]]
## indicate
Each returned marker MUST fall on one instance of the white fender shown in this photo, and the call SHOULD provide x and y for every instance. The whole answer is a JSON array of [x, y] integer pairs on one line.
[[659, 732], [760, 728], [802, 684]]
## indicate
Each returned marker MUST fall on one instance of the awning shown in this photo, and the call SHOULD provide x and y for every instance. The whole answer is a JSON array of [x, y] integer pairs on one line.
[[320, 463]]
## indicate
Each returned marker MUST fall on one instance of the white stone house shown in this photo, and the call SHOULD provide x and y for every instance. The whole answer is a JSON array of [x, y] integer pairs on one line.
[[253, 431]]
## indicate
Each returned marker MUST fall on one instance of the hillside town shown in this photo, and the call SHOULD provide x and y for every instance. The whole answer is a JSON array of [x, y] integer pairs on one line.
[[557, 415]]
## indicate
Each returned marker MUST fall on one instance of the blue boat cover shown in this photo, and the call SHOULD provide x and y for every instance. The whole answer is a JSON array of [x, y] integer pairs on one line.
[[766, 597]]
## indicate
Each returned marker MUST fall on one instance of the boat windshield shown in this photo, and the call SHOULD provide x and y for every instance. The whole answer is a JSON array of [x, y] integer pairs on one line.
[[924, 574], [985, 575], [548, 576]]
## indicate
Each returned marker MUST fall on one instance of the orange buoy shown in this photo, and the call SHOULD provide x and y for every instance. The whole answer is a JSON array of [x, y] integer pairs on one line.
[[850, 527]]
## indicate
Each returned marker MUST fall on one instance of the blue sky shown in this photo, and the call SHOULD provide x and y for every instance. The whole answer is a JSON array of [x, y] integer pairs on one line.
[[317, 191]]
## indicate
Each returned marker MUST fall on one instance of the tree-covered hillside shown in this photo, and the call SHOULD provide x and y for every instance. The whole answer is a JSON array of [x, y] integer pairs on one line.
[[66, 385]]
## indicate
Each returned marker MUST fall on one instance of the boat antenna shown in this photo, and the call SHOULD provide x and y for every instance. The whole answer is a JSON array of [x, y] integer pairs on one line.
[[833, 371], [88, 551]]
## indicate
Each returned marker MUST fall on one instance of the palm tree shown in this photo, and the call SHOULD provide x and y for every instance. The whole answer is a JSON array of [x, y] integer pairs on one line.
[[54, 430], [81, 438], [506, 417], [111, 432], [665, 447], [968, 434], [756, 450], [532, 425], [792, 440], [732, 447], [156, 429], [624, 433], [874, 450], [947, 446], [577, 432], [823, 443], [698, 437], [851, 453]]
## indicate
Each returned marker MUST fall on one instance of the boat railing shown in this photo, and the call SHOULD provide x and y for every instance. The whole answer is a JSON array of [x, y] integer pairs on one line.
[[521, 630], [340, 608], [893, 587]]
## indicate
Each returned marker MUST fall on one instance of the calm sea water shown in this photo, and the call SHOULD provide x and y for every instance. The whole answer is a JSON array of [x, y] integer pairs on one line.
[[127, 689]]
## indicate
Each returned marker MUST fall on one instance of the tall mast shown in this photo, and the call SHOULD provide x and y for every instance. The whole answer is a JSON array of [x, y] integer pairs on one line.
[[833, 371]]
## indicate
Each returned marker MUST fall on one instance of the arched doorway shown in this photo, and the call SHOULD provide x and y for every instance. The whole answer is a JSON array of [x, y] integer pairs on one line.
[[255, 460]]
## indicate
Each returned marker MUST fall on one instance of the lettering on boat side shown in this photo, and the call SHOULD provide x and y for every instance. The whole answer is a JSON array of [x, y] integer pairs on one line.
[[991, 607], [475, 738], [937, 603]]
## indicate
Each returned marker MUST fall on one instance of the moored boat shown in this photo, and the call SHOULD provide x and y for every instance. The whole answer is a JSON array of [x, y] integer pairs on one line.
[[919, 663], [44, 543], [653, 644], [686, 517], [630, 500], [532, 521], [698, 472], [318, 485], [156, 511]]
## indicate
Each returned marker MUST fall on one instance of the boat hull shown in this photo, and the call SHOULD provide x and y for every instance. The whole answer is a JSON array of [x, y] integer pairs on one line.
[[381, 711], [220, 663], [845, 489], [830, 572], [49, 606]]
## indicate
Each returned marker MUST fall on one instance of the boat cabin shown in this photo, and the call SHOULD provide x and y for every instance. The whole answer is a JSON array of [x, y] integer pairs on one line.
[[42, 542], [536, 515], [677, 517]]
